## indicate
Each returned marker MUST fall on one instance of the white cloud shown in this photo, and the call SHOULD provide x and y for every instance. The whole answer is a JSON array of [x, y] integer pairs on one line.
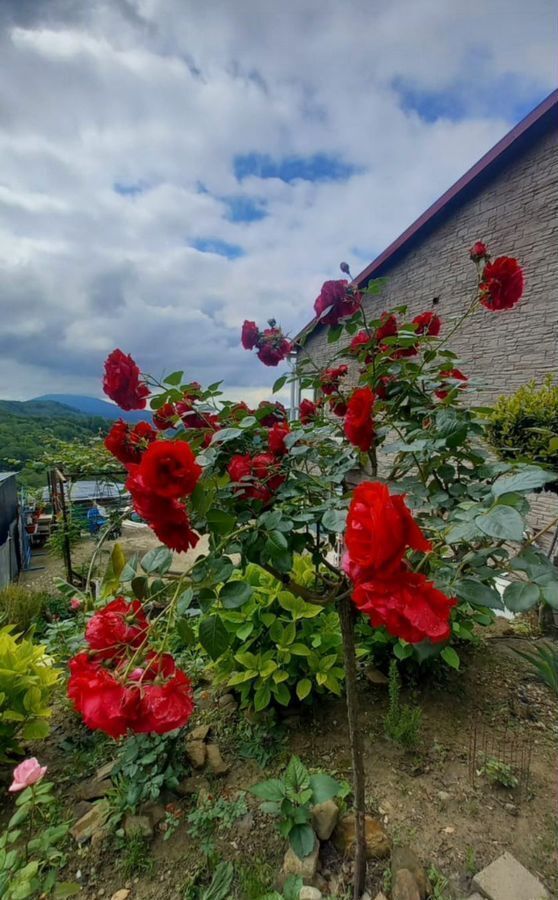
[[158, 97]]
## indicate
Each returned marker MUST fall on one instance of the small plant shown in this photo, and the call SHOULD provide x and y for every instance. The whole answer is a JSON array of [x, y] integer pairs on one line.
[[499, 773], [213, 816], [439, 885], [525, 425], [21, 607], [26, 682], [263, 743], [471, 861], [544, 660], [146, 765], [173, 817], [402, 723], [291, 890], [135, 854], [56, 542], [31, 854], [292, 797]]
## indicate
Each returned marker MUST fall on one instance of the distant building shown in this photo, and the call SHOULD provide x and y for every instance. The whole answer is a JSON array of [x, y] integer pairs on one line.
[[10, 546], [509, 199]]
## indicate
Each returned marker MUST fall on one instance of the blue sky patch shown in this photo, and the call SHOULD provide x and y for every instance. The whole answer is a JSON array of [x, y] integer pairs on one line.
[[129, 188], [221, 248], [319, 167], [244, 209]]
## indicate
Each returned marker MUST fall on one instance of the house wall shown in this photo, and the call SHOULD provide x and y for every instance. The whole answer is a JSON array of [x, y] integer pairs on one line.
[[516, 214]]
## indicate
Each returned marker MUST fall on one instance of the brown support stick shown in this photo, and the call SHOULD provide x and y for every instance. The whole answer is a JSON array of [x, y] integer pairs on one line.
[[346, 614]]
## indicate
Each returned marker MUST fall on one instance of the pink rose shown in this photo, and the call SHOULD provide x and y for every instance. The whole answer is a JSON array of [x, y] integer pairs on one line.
[[75, 603], [27, 773]]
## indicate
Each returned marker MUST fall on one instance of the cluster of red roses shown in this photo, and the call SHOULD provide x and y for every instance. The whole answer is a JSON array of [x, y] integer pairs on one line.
[[271, 343], [121, 685], [380, 531], [337, 300], [501, 281], [259, 477]]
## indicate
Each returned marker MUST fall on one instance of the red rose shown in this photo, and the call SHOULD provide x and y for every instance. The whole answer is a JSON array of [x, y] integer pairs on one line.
[[104, 702], [250, 335], [380, 528], [383, 385], [276, 438], [428, 323], [147, 504], [128, 444], [236, 412], [338, 407], [388, 328], [442, 393], [359, 424], [502, 283], [307, 411], [273, 347], [409, 606], [117, 625], [164, 417], [166, 697], [336, 301], [173, 528], [121, 381], [169, 468], [361, 341], [273, 412], [263, 465], [478, 251], [240, 468], [330, 378]]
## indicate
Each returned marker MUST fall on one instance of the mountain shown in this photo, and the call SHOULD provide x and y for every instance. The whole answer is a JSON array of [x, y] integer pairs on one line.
[[91, 406]]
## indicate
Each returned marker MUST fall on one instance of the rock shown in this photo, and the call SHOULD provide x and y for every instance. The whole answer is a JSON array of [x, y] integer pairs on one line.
[[324, 819], [374, 676], [80, 809], [306, 868], [507, 879], [122, 894], [138, 825], [215, 761], [449, 829], [191, 785], [380, 896], [155, 812], [404, 886], [444, 796], [404, 859], [91, 823], [245, 824], [200, 733], [228, 703], [93, 789], [105, 771], [378, 843], [309, 893], [196, 751]]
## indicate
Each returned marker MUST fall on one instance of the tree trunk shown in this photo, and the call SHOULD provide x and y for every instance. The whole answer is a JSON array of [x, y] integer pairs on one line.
[[346, 613]]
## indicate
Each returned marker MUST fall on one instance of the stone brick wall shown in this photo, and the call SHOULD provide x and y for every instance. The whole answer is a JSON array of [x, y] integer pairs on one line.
[[516, 213]]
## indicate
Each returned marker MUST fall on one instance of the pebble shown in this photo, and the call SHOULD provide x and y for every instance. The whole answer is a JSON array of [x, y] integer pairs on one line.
[[449, 830], [444, 796]]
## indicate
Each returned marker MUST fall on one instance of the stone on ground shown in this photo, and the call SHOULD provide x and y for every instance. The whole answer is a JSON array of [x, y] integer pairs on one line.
[[403, 859], [215, 761], [306, 868], [122, 894], [307, 892], [378, 843], [200, 733], [138, 825], [507, 879], [404, 886], [91, 823], [324, 819], [196, 751]]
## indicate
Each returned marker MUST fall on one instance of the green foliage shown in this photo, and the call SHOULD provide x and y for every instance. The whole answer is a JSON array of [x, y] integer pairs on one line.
[[525, 425], [439, 885], [146, 765], [212, 817], [262, 742], [134, 854], [291, 890], [544, 660], [26, 682], [220, 886], [499, 773], [280, 648], [56, 541], [31, 848], [291, 799], [402, 723], [23, 608]]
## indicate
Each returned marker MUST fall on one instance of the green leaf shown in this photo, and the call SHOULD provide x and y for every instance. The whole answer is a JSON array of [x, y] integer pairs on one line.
[[550, 594], [158, 560], [35, 731], [213, 636], [140, 586], [502, 522], [282, 694], [184, 601], [222, 522], [478, 594], [118, 559], [449, 655], [335, 520], [262, 696], [273, 789], [334, 333], [225, 435], [520, 596], [324, 787], [235, 594], [279, 383], [402, 651], [186, 632], [303, 688], [526, 480], [174, 379], [66, 889], [302, 839]]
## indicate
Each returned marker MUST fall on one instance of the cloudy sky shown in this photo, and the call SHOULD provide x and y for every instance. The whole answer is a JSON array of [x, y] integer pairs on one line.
[[171, 167]]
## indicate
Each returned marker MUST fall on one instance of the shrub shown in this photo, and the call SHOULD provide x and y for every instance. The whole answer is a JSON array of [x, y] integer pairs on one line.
[[525, 425], [26, 681], [281, 648], [24, 608], [402, 723]]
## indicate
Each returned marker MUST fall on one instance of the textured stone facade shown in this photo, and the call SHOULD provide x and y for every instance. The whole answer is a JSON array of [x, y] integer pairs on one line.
[[516, 213]]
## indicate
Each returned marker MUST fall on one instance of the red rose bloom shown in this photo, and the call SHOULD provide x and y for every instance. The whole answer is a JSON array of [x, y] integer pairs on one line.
[[164, 417], [409, 606], [273, 412], [147, 504], [166, 697], [360, 342], [307, 411], [380, 528], [127, 444], [250, 335], [442, 393], [388, 328], [502, 283], [273, 347], [240, 468], [263, 465], [428, 323], [359, 424], [169, 468], [121, 381], [330, 378], [173, 528], [337, 300], [383, 385], [338, 407], [277, 437], [478, 251], [116, 626], [104, 702]]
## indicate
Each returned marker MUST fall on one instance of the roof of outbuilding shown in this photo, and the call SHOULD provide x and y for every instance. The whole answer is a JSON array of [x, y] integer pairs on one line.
[[516, 141]]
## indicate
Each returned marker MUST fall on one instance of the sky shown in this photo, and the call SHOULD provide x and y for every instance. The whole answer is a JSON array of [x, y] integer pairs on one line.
[[169, 168]]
